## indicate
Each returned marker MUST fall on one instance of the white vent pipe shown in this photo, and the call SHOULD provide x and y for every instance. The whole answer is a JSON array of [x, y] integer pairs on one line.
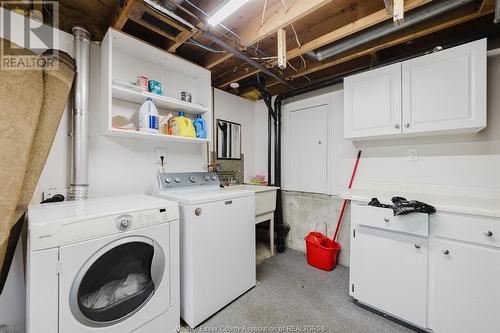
[[79, 186]]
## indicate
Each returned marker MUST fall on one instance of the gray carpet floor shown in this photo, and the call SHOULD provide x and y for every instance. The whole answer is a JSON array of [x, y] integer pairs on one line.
[[294, 297]]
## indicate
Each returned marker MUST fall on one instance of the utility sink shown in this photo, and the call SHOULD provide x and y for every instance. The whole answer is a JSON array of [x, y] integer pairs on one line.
[[265, 199]]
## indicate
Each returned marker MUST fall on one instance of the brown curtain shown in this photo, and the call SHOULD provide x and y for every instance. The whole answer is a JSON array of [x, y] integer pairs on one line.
[[32, 102]]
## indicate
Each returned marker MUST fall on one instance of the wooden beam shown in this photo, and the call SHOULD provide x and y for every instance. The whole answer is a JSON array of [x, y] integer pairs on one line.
[[181, 38], [398, 11], [253, 31], [153, 28], [487, 5], [393, 42], [123, 15], [349, 29]]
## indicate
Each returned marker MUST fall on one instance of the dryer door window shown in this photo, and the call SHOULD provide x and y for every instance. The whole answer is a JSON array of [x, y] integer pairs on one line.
[[117, 281]]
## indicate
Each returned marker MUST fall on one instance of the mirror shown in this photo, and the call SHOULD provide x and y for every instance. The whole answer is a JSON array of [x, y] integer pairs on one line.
[[228, 140]]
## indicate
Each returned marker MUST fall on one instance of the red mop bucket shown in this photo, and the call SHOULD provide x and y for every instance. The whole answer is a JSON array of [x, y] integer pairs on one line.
[[321, 251]]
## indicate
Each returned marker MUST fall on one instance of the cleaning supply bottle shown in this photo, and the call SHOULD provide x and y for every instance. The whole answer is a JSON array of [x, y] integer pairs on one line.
[[148, 117], [184, 126], [200, 127]]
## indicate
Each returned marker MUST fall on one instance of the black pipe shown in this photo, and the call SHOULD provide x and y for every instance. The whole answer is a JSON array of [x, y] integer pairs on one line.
[[244, 57]]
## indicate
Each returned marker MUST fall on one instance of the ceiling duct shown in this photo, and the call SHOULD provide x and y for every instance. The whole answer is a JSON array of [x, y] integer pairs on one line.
[[412, 18]]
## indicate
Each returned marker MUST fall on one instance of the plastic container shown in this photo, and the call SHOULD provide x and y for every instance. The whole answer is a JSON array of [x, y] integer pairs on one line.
[[200, 127], [321, 251], [184, 126], [148, 117]]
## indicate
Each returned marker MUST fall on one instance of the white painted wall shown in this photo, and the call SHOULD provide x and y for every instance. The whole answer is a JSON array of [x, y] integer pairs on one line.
[[239, 110], [260, 139], [452, 164]]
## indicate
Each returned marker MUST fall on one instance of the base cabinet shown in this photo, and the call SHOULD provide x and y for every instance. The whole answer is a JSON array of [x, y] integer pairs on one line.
[[440, 273], [391, 273], [464, 287]]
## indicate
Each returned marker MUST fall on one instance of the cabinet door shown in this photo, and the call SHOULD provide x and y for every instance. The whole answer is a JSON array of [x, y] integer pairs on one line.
[[308, 149], [465, 288], [446, 91], [390, 273], [372, 103]]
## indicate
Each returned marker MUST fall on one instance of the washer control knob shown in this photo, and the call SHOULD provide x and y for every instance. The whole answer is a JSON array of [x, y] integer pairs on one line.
[[214, 177], [207, 178], [177, 180], [123, 222], [168, 180], [192, 179]]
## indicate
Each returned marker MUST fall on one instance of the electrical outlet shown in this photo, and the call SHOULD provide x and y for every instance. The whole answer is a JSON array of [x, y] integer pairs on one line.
[[159, 152], [412, 155]]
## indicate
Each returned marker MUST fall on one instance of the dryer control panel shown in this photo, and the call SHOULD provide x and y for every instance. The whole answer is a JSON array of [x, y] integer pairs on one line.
[[187, 179]]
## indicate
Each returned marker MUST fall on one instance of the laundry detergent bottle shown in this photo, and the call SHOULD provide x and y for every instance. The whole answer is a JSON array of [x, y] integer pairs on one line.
[[148, 117], [200, 127], [184, 126]]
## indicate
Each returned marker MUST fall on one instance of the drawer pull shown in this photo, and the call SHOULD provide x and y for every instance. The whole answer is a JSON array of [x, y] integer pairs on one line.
[[418, 246], [386, 219], [488, 234], [446, 252]]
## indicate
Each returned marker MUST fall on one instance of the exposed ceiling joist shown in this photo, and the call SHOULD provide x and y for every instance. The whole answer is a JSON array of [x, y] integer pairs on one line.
[[351, 28], [393, 42], [254, 31], [337, 34], [123, 15]]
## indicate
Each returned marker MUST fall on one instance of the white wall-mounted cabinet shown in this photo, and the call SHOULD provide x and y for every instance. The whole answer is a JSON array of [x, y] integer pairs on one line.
[[438, 272], [439, 93], [373, 102], [123, 59]]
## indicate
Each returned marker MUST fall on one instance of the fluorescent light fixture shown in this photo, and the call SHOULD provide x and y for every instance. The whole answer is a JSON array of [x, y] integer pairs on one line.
[[229, 7]]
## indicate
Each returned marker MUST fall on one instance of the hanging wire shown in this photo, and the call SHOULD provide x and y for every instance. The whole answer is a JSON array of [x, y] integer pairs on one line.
[[245, 42]]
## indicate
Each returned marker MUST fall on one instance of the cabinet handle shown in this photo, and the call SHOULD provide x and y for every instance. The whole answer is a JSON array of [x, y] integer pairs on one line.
[[488, 234], [407, 125], [396, 126], [446, 252], [418, 246], [386, 219]]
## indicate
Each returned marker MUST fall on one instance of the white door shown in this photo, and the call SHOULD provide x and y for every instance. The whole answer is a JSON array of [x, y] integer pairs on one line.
[[445, 90], [390, 273], [372, 103], [307, 149], [465, 288]]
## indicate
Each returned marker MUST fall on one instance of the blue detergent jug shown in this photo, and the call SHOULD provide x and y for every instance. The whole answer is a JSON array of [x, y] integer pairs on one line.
[[200, 126]]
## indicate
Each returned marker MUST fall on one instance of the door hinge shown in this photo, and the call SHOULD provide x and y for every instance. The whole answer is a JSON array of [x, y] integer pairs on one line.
[[352, 287], [58, 267], [353, 233]]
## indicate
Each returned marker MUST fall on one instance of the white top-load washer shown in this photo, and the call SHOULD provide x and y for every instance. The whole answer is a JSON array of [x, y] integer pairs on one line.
[[108, 265], [217, 242]]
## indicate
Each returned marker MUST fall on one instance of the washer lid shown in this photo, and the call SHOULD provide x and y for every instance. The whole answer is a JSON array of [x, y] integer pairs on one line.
[[198, 196], [72, 211]]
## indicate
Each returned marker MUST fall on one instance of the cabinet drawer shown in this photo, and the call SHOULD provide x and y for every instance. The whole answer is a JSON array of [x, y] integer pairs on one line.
[[383, 218], [466, 228]]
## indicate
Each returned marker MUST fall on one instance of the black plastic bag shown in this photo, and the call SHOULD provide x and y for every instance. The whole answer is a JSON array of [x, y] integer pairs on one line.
[[402, 207]]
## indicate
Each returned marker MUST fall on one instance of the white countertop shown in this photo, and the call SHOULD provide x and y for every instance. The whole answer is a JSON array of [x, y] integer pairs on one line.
[[445, 203], [255, 188]]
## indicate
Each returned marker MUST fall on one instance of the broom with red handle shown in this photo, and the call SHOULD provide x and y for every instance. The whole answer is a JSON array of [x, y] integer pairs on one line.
[[344, 203]]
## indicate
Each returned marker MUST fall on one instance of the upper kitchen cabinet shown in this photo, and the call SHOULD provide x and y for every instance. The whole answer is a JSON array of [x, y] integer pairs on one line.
[[372, 103], [439, 93], [446, 91]]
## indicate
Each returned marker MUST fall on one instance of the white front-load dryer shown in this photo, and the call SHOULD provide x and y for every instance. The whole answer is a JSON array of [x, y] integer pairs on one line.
[[106, 265]]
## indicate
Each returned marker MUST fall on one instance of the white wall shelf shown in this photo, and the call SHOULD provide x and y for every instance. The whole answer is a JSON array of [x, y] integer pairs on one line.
[[165, 102], [150, 136], [123, 59]]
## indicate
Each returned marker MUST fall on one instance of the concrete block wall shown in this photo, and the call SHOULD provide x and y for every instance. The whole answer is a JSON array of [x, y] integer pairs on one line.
[[302, 211]]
